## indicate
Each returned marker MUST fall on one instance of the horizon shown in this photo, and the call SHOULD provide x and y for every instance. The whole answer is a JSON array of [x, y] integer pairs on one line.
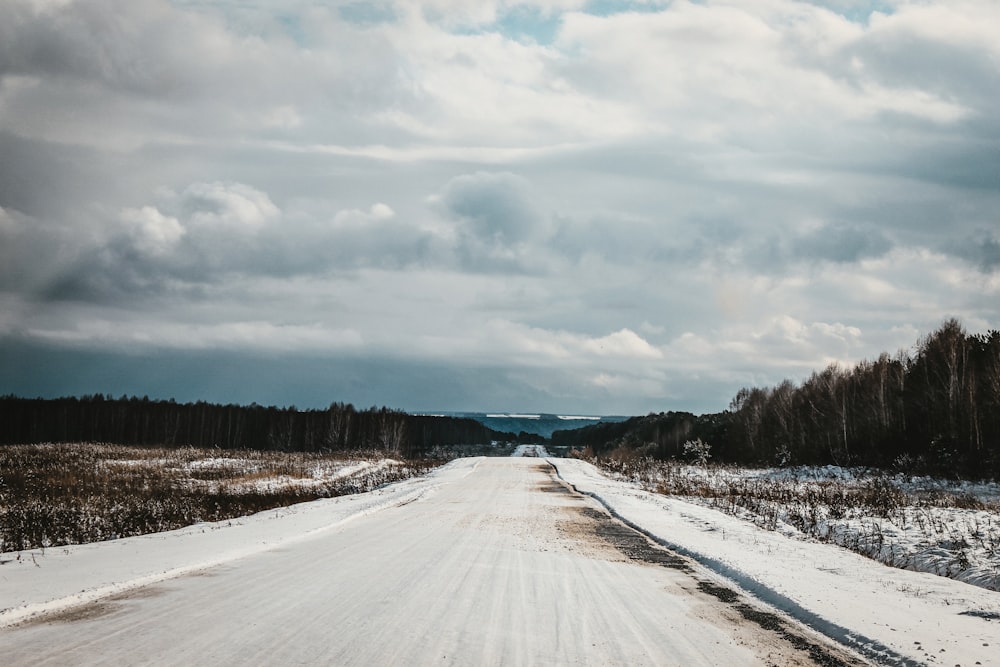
[[11, 357], [582, 207], [490, 414]]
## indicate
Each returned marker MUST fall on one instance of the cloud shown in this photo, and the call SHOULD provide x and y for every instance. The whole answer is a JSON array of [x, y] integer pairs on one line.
[[120, 75], [253, 335], [47, 179], [20, 243], [152, 232], [229, 206], [497, 222], [491, 207], [209, 233], [981, 249], [623, 343], [841, 243], [82, 40], [583, 204]]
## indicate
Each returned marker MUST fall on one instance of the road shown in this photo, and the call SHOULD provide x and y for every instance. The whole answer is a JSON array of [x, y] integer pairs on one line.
[[504, 566]]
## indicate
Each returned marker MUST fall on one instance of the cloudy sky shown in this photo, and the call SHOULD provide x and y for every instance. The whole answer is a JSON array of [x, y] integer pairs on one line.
[[592, 206]]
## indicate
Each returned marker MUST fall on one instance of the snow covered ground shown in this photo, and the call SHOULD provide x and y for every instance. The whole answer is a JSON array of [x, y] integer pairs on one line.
[[894, 616], [946, 527], [319, 477], [474, 563], [46, 580]]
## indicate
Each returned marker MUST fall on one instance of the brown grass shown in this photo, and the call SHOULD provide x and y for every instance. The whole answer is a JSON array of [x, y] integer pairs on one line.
[[57, 494]]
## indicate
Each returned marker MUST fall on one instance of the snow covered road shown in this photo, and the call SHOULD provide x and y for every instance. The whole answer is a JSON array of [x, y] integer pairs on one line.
[[490, 561]]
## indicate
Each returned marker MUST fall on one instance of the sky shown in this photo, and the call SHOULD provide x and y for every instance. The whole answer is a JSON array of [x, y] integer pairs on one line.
[[576, 206]]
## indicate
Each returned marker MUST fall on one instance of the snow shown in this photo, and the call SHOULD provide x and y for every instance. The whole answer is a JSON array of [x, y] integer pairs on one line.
[[47, 580], [894, 616], [319, 477], [216, 463], [487, 562], [949, 528]]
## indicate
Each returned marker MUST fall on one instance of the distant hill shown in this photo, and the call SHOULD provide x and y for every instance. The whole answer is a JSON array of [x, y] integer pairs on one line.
[[537, 423]]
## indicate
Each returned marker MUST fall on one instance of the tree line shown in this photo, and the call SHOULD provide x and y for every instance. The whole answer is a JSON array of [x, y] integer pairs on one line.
[[936, 409], [141, 421]]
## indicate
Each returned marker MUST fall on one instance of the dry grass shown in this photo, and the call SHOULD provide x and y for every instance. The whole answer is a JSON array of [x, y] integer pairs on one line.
[[927, 525], [56, 494]]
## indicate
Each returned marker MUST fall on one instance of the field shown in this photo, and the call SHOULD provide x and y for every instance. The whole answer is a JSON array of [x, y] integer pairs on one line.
[[53, 495], [945, 527], [60, 494]]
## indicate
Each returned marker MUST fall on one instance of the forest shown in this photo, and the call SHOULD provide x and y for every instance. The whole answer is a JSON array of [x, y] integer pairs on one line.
[[933, 410], [141, 421]]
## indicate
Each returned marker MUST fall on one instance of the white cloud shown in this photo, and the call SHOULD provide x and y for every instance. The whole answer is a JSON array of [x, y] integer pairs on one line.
[[378, 212], [622, 343], [152, 232], [247, 336], [227, 204], [965, 23]]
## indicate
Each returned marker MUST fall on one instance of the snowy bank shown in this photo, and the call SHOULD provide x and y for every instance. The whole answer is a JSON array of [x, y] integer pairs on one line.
[[892, 616]]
